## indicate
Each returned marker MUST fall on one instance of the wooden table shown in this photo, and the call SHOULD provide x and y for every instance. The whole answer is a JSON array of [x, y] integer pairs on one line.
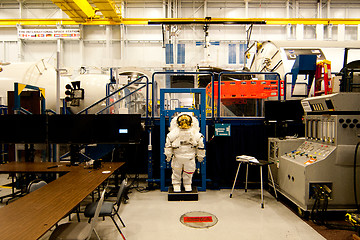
[[33, 215]]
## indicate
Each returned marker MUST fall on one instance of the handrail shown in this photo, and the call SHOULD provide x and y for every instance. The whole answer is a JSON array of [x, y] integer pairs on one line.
[[118, 90], [24, 111], [119, 100], [178, 73], [50, 111], [244, 73]]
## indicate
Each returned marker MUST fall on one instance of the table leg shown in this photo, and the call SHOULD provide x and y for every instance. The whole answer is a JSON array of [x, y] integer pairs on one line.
[[237, 172], [246, 181], [262, 190], [272, 180]]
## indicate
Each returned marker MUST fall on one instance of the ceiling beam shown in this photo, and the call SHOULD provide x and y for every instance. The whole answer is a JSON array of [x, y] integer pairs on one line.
[[108, 9], [148, 21], [77, 10]]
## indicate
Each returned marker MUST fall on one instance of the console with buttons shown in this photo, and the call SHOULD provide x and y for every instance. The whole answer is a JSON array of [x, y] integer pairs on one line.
[[326, 157]]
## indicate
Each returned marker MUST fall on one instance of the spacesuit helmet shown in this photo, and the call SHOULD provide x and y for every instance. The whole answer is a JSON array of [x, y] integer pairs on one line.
[[184, 121]]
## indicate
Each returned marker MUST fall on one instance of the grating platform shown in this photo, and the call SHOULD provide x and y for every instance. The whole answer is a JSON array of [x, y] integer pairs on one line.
[[183, 196]]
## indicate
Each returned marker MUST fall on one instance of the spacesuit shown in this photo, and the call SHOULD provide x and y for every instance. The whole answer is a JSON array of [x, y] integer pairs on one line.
[[183, 143]]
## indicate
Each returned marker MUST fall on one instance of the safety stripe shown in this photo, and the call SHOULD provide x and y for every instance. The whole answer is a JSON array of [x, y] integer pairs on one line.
[[188, 172]]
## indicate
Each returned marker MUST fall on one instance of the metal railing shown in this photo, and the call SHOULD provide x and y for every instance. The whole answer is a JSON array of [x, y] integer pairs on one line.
[[85, 110]]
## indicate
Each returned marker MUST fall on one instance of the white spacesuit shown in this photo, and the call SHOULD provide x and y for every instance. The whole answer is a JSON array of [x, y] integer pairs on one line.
[[184, 142]]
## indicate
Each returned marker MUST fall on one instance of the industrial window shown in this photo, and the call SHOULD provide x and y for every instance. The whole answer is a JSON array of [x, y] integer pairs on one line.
[[242, 47], [169, 54], [181, 53], [232, 53]]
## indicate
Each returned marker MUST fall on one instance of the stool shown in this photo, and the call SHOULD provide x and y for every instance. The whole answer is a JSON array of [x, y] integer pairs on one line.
[[261, 163]]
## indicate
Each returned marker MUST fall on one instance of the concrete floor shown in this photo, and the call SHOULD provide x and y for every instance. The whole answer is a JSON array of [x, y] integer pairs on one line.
[[148, 215]]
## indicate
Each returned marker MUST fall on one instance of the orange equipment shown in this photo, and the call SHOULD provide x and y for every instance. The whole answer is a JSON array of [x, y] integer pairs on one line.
[[237, 91]]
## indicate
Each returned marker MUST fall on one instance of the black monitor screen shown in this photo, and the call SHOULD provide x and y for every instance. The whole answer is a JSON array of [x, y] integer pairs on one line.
[[284, 110], [16, 128], [89, 128]]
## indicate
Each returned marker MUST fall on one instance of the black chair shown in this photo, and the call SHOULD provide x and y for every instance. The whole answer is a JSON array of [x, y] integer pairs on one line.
[[108, 209]]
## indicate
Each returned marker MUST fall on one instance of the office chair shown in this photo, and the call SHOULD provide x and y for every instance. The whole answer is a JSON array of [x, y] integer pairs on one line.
[[78, 230], [35, 184], [108, 209]]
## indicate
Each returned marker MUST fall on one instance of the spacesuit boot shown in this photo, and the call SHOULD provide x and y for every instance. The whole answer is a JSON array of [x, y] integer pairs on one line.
[[187, 188], [177, 187]]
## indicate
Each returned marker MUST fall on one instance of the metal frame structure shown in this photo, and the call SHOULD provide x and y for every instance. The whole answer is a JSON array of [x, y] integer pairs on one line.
[[18, 88], [200, 113]]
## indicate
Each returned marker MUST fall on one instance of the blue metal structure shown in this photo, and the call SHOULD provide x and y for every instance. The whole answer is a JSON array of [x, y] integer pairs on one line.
[[153, 90], [18, 88], [304, 64], [150, 122], [199, 113]]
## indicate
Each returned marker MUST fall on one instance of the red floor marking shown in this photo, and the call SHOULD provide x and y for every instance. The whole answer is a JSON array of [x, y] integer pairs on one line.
[[198, 219]]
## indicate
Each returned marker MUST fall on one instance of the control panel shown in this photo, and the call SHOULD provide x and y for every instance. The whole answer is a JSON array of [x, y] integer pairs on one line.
[[310, 152]]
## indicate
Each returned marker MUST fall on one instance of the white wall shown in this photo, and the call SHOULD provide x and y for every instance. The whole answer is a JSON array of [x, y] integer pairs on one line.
[[141, 46]]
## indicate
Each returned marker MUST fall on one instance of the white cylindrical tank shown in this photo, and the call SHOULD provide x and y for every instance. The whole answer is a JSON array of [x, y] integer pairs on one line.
[[42, 74], [280, 56], [38, 74], [94, 86]]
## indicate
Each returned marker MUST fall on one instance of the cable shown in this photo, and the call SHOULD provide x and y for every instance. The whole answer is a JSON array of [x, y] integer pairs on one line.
[[355, 194], [318, 212], [135, 184]]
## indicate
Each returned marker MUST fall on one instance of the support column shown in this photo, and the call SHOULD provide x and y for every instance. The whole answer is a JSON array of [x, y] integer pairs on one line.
[[320, 32], [59, 63], [164, 8], [108, 44], [81, 45], [20, 45], [297, 9], [329, 30], [341, 32], [205, 9], [319, 9], [246, 9], [287, 8], [288, 31], [4, 51], [300, 32]]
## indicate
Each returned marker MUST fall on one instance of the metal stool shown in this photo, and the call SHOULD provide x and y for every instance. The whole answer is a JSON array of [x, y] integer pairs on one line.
[[261, 163]]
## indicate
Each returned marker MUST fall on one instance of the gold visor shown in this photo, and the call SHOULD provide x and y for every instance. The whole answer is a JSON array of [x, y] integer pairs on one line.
[[184, 121]]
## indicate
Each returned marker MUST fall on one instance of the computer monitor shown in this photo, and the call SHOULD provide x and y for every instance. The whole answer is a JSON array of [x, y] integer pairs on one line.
[[19, 128], [90, 128], [289, 110]]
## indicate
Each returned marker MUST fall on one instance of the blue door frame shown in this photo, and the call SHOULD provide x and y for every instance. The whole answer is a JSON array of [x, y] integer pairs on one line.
[[199, 113]]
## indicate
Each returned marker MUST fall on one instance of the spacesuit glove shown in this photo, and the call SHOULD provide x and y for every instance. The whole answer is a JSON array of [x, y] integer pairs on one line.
[[168, 159], [200, 159]]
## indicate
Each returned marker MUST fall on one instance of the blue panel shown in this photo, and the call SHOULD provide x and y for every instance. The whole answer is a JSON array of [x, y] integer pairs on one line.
[[242, 53], [167, 80], [232, 53], [270, 77], [215, 43], [169, 54], [181, 54]]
